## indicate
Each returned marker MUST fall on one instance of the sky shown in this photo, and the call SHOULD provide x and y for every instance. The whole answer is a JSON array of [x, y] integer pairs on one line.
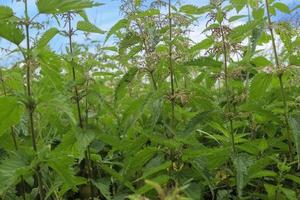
[[104, 17]]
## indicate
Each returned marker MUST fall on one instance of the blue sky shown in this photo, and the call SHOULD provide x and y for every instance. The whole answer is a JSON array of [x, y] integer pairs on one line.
[[104, 17]]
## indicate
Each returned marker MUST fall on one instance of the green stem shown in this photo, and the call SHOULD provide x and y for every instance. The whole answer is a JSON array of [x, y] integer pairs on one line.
[[77, 99], [171, 68], [280, 74], [30, 105], [227, 90]]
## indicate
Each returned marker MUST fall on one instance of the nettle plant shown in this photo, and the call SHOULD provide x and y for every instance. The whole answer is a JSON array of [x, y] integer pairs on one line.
[[149, 113]]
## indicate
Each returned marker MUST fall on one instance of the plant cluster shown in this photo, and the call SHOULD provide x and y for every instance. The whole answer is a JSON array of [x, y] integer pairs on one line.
[[151, 114]]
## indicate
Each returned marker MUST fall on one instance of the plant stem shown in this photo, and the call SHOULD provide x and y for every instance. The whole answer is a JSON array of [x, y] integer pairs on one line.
[[30, 105], [171, 69], [227, 89], [280, 74], [77, 99]]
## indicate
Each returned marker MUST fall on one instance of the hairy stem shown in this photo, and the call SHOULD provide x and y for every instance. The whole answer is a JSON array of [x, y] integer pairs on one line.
[[171, 68], [30, 106], [228, 105], [77, 99], [280, 74]]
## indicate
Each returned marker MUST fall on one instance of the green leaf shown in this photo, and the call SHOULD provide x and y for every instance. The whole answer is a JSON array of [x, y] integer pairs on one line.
[[88, 27], [123, 23], [259, 85], [154, 170], [261, 61], [146, 13], [236, 17], [263, 173], [58, 6], [48, 35], [239, 4], [294, 178], [290, 194], [199, 118], [194, 10], [294, 120], [126, 79], [117, 176], [11, 112], [62, 164], [161, 180], [12, 168], [239, 33], [11, 32], [282, 7], [5, 12], [271, 190], [204, 61], [135, 163], [204, 44], [103, 187]]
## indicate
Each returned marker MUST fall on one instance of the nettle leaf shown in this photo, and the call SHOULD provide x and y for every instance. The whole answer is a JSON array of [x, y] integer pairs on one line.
[[47, 36], [11, 32], [204, 62], [117, 176], [88, 27], [126, 79], [155, 183], [261, 61], [239, 4], [259, 85], [12, 168], [59, 6], [194, 10], [282, 7], [239, 33], [199, 118], [6, 12], [146, 13], [204, 44], [135, 163], [62, 164], [236, 17], [294, 120], [11, 112], [123, 23]]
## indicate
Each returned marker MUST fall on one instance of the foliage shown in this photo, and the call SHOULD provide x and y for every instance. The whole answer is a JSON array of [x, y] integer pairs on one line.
[[149, 113]]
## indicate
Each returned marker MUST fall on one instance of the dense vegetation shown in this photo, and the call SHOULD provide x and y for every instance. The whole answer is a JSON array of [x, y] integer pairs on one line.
[[150, 114]]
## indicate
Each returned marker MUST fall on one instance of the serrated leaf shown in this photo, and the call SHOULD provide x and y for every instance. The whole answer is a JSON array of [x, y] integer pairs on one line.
[[12, 168], [59, 6], [259, 85], [123, 23], [204, 62], [204, 44], [261, 61], [239, 33], [194, 10], [47, 36], [160, 180], [135, 163], [11, 112], [294, 120], [11, 32], [88, 27], [117, 176], [282, 7], [199, 118], [126, 79], [5, 12]]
